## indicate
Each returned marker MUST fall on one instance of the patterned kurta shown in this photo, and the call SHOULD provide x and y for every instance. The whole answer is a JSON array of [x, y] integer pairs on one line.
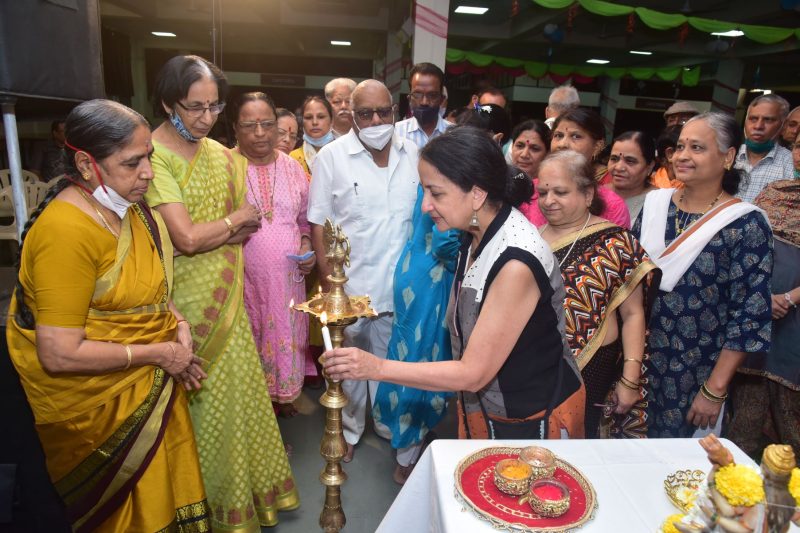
[[600, 271], [721, 302], [245, 468], [272, 281]]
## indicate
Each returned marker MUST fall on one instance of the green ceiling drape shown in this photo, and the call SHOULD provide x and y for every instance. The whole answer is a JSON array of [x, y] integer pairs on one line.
[[536, 69], [666, 21]]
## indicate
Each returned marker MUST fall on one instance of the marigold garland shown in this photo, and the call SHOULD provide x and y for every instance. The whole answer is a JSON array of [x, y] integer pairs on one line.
[[669, 524], [740, 485], [794, 485]]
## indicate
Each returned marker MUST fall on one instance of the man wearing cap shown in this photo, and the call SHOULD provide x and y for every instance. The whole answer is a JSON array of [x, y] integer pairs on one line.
[[679, 112], [760, 159]]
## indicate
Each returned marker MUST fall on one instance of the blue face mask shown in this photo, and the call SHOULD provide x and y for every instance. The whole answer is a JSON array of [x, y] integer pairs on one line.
[[796, 174], [759, 147], [320, 142], [181, 128]]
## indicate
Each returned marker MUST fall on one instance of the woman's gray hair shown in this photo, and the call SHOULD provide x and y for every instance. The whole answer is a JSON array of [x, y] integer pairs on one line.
[[580, 170], [729, 135], [726, 129]]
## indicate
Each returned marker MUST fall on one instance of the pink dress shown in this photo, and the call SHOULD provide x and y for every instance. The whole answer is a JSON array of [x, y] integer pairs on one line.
[[615, 211], [271, 280]]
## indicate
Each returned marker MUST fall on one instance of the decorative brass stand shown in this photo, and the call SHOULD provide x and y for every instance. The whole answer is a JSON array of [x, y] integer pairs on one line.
[[336, 310]]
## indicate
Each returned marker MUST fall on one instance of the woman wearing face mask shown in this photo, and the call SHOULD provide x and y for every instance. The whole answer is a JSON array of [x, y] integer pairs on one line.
[[272, 280], [102, 352], [606, 275], [200, 189], [630, 165], [317, 131], [582, 130]]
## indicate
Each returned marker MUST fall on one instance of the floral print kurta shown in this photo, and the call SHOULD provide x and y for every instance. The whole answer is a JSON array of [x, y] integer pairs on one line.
[[722, 301]]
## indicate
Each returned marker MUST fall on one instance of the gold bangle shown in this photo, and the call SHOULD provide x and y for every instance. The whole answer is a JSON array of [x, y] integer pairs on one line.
[[174, 353], [632, 360], [629, 381], [710, 395], [130, 356], [622, 381], [229, 224], [184, 320]]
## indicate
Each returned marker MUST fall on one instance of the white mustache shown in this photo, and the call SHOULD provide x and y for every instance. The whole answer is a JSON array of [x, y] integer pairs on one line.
[[344, 112]]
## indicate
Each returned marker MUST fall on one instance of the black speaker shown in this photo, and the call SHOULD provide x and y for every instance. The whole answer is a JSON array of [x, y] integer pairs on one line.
[[51, 49]]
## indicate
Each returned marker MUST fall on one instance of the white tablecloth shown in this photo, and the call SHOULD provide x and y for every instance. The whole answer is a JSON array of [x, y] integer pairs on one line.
[[627, 475]]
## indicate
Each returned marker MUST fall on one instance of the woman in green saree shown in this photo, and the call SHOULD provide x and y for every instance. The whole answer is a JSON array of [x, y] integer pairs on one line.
[[199, 189]]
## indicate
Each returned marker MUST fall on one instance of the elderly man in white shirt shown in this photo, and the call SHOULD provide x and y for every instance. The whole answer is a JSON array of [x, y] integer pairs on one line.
[[366, 181], [427, 92]]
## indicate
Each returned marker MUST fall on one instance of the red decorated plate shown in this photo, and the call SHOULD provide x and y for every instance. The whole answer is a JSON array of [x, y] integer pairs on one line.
[[475, 486]]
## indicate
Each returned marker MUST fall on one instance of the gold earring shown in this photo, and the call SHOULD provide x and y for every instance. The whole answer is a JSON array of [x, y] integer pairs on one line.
[[728, 166], [85, 175], [473, 222]]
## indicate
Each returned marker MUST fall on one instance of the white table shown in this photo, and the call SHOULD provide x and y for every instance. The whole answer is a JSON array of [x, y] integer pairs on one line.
[[627, 475]]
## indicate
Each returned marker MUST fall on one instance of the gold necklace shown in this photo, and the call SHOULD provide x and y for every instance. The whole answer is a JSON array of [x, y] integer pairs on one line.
[[682, 223], [266, 213], [102, 218]]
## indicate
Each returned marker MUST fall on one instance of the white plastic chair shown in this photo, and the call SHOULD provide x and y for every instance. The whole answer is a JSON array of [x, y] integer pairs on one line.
[[7, 231], [27, 177], [34, 194]]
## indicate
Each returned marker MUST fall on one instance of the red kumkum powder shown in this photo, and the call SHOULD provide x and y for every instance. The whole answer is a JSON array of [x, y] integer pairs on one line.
[[548, 492]]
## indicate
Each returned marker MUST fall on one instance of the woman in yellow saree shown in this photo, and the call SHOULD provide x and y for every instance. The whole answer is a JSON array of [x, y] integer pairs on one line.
[[92, 333], [199, 188]]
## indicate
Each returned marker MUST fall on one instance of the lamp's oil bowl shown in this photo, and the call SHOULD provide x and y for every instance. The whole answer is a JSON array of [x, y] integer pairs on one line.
[[360, 306]]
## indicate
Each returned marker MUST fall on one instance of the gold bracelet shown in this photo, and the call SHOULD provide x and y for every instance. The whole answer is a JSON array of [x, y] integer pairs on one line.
[[628, 384], [229, 224], [184, 320], [631, 359], [174, 354], [130, 356], [710, 395]]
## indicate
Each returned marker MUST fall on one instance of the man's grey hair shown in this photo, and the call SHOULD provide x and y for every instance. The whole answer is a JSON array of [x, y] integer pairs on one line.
[[783, 105], [334, 84], [563, 98]]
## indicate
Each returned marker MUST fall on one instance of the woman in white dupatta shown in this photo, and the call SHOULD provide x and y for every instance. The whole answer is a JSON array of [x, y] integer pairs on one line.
[[713, 306]]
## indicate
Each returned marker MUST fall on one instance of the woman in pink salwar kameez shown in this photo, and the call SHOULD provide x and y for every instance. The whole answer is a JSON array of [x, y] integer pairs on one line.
[[278, 186]]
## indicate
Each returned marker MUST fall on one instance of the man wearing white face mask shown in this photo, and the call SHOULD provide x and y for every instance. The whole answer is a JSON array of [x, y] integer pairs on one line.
[[366, 181]]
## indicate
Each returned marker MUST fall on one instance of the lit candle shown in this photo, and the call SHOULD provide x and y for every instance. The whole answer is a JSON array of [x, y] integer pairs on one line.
[[326, 335]]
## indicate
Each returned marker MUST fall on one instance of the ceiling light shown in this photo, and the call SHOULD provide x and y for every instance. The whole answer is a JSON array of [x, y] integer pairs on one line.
[[340, 43], [598, 61], [732, 33], [765, 91], [163, 34], [640, 53], [471, 10]]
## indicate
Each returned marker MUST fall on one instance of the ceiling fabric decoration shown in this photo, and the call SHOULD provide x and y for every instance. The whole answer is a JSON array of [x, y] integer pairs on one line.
[[666, 21], [459, 61]]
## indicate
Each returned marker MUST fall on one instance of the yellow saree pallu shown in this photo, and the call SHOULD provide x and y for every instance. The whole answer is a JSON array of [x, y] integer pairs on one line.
[[118, 446], [245, 468]]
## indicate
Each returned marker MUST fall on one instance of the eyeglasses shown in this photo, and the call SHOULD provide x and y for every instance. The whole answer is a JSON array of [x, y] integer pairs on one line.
[[266, 125], [197, 111], [431, 96], [366, 114], [288, 134]]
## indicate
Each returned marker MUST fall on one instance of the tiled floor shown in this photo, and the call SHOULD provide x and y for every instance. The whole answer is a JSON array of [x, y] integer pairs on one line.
[[369, 490]]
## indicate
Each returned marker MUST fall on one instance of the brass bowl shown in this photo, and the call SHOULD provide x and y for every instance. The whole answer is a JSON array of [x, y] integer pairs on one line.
[[512, 476], [541, 460], [549, 507]]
